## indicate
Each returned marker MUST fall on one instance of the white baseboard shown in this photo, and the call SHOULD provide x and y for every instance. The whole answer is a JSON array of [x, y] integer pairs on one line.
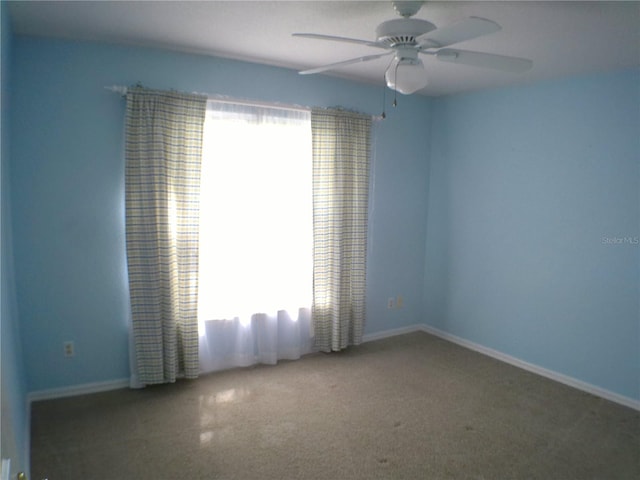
[[558, 377], [370, 337], [74, 390]]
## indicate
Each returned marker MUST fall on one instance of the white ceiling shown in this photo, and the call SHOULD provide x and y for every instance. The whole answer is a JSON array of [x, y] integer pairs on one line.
[[562, 38]]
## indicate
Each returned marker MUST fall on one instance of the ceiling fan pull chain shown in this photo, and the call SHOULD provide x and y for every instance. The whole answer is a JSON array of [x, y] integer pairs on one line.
[[384, 102], [395, 89]]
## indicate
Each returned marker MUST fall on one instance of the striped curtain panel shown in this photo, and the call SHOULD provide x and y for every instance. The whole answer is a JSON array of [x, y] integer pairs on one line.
[[341, 151], [162, 181]]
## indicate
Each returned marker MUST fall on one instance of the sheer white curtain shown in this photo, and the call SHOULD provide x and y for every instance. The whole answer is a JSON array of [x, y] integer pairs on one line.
[[256, 236]]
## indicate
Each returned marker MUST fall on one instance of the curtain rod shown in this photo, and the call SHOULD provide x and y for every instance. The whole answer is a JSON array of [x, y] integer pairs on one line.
[[122, 90]]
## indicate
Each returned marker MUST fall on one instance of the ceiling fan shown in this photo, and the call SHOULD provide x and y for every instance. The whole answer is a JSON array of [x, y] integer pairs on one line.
[[406, 38]]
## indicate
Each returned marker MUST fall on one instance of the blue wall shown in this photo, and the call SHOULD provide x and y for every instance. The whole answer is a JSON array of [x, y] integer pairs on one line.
[[14, 423], [528, 190], [68, 184], [533, 227]]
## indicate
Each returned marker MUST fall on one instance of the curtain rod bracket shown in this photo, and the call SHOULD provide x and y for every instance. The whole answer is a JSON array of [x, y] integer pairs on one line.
[[117, 89]]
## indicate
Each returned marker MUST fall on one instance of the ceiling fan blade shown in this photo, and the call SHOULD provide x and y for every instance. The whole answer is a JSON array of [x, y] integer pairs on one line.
[[486, 60], [467, 29], [318, 36], [342, 64]]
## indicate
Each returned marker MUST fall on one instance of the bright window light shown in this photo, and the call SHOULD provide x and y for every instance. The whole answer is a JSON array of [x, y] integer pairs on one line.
[[255, 212]]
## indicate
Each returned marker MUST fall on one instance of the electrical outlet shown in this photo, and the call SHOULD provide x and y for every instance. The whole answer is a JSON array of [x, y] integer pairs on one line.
[[69, 349], [391, 302], [6, 469]]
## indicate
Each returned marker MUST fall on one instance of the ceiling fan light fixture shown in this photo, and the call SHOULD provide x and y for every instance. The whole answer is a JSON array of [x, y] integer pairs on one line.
[[406, 76]]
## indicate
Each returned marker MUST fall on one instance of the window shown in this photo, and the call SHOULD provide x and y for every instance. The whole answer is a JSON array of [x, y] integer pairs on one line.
[[255, 212]]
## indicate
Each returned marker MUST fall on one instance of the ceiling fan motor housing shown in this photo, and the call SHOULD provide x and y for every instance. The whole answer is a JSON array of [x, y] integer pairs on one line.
[[402, 32]]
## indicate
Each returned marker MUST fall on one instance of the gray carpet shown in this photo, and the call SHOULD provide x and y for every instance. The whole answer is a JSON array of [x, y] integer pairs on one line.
[[408, 407]]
